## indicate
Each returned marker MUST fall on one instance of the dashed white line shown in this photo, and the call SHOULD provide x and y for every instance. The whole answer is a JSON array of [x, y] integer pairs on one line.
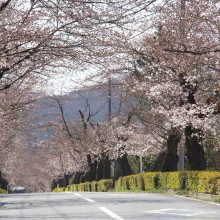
[[110, 213], [89, 200], [77, 194]]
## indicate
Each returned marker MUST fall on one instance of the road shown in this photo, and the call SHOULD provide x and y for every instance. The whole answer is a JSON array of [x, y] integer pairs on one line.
[[103, 206]]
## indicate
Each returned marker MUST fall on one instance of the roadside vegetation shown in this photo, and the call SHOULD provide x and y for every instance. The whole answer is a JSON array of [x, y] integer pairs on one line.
[[182, 183], [2, 191]]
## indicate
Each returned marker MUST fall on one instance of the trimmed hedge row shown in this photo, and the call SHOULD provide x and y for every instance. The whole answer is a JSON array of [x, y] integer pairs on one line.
[[59, 189], [100, 186], [195, 181]]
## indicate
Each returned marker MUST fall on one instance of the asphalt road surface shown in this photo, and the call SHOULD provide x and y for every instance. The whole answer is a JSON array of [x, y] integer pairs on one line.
[[103, 206]]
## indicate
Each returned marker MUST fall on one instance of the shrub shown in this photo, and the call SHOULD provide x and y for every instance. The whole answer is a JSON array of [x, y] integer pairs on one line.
[[59, 189], [118, 185], [218, 182], [88, 187], [192, 180], [2, 191], [183, 178], [94, 186], [195, 181], [132, 182], [172, 180], [156, 180], [122, 184], [208, 182], [140, 182], [151, 180], [105, 185], [135, 182], [81, 187], [74, 187], [125, 183], [163, 180], [67, 189]]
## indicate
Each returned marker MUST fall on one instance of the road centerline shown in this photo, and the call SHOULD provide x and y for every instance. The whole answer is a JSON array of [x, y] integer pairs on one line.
[[110, 213], [77, 194], [89, 200]]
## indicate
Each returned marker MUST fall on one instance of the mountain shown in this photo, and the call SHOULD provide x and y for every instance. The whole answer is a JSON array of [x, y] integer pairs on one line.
[[93, 99]]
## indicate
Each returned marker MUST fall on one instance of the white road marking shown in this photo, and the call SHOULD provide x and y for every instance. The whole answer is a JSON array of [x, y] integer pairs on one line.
[[77, 194], [185, 212], [110, 213], [89, 200], [199, 200]]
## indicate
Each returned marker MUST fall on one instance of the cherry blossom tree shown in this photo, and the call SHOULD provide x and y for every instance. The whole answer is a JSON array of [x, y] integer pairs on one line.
[[43, 38], [176, 68]]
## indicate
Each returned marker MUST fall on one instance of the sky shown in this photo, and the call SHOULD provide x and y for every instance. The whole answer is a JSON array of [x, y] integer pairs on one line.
[[64, 83]]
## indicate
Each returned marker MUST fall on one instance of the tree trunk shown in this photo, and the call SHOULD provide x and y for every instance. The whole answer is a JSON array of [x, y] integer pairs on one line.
[[158, 164], [54, 184], [103, 168], [171, 159], [195, 151], [3, 182], [77, 178], [99, 171], [106, 168], [91, 174], [122, 167]]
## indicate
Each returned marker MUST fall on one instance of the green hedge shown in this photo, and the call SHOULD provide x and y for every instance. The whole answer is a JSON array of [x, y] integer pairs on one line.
[[209, 182], [133, 182], [118, 184], [59, 189], [73, 187], [81, 187], [87, 187], [2, 191], [171, 180], [195, 181], [94, 186], [151, 180], [101, 186], [192, 180], [124, 183], [105, 185]]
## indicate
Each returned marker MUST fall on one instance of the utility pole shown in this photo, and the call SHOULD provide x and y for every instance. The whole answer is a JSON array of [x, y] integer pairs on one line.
[[109, 99], [141, 162], [141, 170], [112, 166]]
